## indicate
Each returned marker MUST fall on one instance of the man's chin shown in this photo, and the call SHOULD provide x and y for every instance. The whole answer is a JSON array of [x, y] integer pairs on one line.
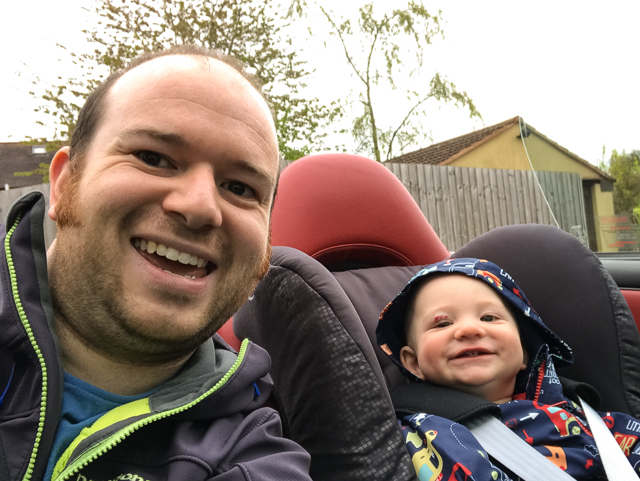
[[173, 326], [157, 346]]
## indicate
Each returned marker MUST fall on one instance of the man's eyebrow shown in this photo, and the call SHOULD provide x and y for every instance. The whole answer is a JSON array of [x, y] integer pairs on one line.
[[253, 169], [165, 137]]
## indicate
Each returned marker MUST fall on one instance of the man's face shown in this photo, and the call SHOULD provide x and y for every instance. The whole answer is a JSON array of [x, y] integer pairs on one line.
[[463, 336], [169, 228]]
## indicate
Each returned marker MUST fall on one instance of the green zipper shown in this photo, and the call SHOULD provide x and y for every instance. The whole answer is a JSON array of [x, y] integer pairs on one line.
[[34, 344], [97, 450]]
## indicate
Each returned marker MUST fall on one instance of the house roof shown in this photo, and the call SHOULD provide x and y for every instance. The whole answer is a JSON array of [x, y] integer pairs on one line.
[[580, 160], [19, 157], [453, 148], [446, 152]]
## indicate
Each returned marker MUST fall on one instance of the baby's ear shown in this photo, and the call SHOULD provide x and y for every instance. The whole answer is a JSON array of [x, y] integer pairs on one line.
[[409, 360]]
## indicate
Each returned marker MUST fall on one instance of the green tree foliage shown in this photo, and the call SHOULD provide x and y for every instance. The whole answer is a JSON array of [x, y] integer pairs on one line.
[[384, 51], [43, 170], [625, 168], [253, 31]]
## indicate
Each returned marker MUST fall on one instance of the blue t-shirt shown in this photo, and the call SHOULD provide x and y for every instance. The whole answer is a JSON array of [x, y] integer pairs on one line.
[[82, 405]]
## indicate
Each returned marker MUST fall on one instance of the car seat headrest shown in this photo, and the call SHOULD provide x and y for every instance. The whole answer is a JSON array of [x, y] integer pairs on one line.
[[577, 298], [348, 211]]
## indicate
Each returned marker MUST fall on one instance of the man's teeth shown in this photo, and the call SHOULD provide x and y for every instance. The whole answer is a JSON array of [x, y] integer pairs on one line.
[[173, 273], [471, 354], [169, 252]]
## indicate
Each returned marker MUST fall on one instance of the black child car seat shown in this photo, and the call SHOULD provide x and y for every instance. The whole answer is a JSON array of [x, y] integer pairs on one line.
[[347, 237]]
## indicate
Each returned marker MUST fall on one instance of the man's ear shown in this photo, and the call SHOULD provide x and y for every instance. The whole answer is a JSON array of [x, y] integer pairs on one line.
[[59, 175], [409, 360]]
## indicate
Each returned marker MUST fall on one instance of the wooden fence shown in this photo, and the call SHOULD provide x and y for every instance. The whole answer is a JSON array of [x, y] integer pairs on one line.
[[565, 196], [461, 203]]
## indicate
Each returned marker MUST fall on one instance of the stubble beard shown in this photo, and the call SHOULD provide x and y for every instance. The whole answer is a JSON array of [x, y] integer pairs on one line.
[[90, 303]]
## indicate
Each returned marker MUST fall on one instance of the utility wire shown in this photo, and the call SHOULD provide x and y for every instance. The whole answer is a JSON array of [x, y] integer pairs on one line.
[[544, 196]]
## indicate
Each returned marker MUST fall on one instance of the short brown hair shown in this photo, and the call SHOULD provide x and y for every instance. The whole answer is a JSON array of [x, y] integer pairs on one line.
[[93, 110]]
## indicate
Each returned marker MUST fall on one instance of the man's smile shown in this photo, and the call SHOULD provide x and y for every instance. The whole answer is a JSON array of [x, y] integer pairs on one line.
[[173, 261]]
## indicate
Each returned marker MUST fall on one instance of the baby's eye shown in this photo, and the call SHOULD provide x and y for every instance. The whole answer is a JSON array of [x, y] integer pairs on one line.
[[240, 189], [443, 323], [488, 318], [441, 320], [153, 159]]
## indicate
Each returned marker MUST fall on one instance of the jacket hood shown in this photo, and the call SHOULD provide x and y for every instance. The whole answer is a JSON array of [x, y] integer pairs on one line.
[[534, 333]]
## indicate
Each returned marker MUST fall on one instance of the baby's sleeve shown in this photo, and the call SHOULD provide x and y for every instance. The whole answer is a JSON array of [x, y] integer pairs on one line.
[[626, 431], [442, 449]]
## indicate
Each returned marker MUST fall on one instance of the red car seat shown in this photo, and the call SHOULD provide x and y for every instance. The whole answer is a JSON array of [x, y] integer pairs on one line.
[[346, 210]]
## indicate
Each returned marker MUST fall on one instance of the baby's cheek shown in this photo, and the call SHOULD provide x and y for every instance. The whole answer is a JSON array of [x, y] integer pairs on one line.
[[429, 370]]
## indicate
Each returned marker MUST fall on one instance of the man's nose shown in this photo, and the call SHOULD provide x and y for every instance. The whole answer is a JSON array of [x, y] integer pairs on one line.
[[469, 327], [195, 199]]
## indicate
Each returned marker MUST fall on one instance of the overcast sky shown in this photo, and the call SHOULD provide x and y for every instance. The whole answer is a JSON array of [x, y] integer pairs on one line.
[[569, 68]]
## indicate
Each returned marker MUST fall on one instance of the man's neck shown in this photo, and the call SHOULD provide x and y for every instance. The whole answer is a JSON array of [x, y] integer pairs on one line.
[[110, 375]]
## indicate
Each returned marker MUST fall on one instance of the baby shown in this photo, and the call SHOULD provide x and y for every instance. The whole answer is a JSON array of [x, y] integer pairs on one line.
[[465, 324]]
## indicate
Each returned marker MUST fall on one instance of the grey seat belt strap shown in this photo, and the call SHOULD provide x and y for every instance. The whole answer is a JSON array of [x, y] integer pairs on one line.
[[616, 464], [512, 452]]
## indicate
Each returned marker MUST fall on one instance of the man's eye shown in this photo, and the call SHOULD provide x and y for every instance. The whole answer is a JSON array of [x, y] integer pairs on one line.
[[153, 159], [488, 318], [240, 189]]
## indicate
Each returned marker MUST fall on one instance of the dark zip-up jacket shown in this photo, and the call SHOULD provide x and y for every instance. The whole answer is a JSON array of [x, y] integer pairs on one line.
[[204, 423]]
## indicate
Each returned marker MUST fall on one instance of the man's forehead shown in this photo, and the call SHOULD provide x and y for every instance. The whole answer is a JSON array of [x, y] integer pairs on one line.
[[175, 63], [215, 71], [196, 85]]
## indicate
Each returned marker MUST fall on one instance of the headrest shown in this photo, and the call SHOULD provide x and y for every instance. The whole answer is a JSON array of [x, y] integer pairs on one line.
[[348, 210], [576, 298]]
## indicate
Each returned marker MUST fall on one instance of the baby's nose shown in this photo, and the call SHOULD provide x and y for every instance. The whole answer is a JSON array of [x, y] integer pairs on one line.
[[466, 328]]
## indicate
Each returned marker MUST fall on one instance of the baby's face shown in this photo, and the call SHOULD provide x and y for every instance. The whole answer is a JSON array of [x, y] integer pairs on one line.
[[462, 336]]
